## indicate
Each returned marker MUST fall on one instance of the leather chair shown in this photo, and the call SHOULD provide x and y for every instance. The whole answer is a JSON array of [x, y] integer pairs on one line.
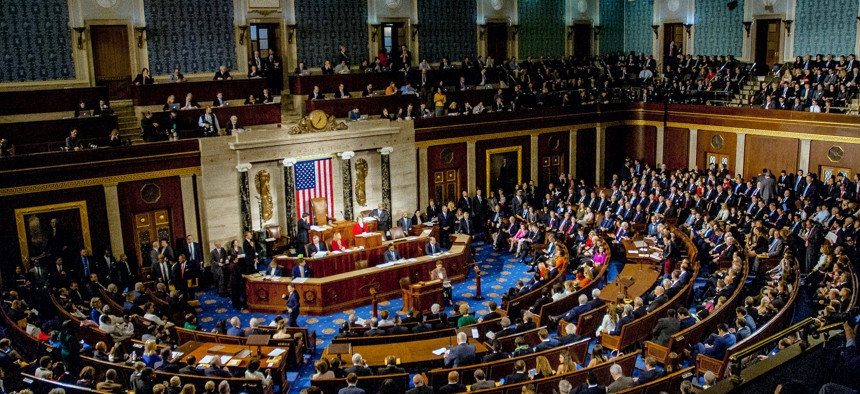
[[360, 264], [280, 242], [397, 233], [320, 210]]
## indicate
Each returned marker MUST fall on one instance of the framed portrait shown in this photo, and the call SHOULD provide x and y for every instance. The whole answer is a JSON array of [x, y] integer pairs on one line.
[[56, 229], [504, 168]]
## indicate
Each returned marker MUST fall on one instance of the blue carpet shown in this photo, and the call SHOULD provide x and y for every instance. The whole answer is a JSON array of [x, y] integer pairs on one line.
[[502, 272]]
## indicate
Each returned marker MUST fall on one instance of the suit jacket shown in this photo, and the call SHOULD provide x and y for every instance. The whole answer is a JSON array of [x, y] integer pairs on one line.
[[483, 385], [360, 371], [391, 256], [314, 248], [298, 274], [624, 382], [277, 271], [665, 328], [721, 344], [516, 377], [431, 249], [646, 376], [460, 355], [197, 256], [351, 390]]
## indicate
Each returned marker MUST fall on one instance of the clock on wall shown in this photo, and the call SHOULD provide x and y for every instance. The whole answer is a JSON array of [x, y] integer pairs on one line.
[[717, 141], [835, 153], [446, 155], [497, 4], [582, 6], [319, 119]]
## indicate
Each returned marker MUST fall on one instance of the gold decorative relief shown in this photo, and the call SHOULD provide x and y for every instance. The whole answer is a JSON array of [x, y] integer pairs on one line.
[[361, 175], [261, 181]]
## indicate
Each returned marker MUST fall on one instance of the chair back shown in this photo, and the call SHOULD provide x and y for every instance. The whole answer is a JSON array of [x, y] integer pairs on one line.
[[397, 233], [320, 210], [405, 283], [360, 264]]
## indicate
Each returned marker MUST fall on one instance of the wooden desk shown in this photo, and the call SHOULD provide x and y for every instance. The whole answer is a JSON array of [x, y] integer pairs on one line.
[[413, 355], [50, 135], [50, 100], [422, 295], [202, 349], [644, 276], [344, 227], [371, 240], [643, 254], [203, 91], [249, 115], [330, 294]]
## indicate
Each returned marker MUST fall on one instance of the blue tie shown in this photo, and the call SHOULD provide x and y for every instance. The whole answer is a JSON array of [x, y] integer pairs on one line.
[[86, 266]]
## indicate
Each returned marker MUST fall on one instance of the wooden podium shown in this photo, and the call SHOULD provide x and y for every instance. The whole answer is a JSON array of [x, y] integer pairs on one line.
[[369, 240], [422, 295]]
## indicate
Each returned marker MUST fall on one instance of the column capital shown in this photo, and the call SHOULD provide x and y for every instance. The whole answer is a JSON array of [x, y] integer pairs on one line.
[[346, 155], [289, 161], [386, 150], [243, 167]]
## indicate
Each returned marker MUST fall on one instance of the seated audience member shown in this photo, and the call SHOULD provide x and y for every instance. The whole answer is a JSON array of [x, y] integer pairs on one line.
[[254, 73], [176, 76], [619, 381], [266, 97], [72, 141], [233, 126], [143, 78], [359, 366], [251, 100], [453, 386], [209, 123], [114, 139], [301, 68], [354, 114], [222, 74], [519, 375], [460, 355], [6, 148], [103, 109], [650, 373], [189, 102], [219, 101]]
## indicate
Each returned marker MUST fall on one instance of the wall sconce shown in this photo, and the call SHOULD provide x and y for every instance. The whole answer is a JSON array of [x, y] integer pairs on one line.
[[656, 29], [569, 32], [482, 31], [596, 32], [291, 32], [688, 27], [374, 31], [80, 31], [515, 29], [243, 30], [414, 31], [747, 26], [141, 35], [788, 26]]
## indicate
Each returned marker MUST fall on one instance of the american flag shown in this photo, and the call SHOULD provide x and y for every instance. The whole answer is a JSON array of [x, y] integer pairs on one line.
[[313, 180]]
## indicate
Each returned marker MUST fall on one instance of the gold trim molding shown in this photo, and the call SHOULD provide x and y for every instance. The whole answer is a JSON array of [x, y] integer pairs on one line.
[[108, 180]]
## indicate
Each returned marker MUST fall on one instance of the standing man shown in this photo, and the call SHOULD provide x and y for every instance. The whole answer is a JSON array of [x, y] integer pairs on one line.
[[302, 233], [445, 221], [183, 273], [383, 219], [292, 305], [250, 249], [193, 251], [218, 262], [274, 73]]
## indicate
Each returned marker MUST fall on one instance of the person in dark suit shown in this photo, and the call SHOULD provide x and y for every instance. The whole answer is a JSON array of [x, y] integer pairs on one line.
[[302, 230], [183, 272], [519, 374], [546, 342], [292, 305], [274, 269], [249, 246], [405, 222], [390, 366], [233, 125], [665, 328], [316, 246], [453, 386], [301, 270], [466, 226], [660, 298], [446, 222], [432, 247], [190, 367], [420, 386], [719, 343], [359, 366], [391, 254], [215, 369], [193, 251], [222, 74], [160, 271], [461, 355], [573, 314], [569, 335], [492, 306], [650, 373], [351, 381], [496, 353], [316, 94]]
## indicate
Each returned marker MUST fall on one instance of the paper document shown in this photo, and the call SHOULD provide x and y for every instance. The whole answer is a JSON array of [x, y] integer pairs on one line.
[[207, 359], [426, 233], [225, 359], [320, 254], [475, 333], [299, 280], [440, 351], [215, 348], [277, 352]]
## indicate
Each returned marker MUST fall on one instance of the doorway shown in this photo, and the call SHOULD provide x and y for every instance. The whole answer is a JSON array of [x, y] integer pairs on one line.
[[768, 34], [582, 34], [264, 36], [150, 227], [672, 32], [717, 158], [446, 186], [550, 168], [111, 59], [497, 42]]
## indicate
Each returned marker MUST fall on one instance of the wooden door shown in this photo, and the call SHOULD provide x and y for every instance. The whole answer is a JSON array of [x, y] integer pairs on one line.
[[264, 36], [673, 32], [768, 34], [149, 227], [717, 158], [828, 171], [550, 168], [582, 36], [111, 59], [446, 185], [497, 42]]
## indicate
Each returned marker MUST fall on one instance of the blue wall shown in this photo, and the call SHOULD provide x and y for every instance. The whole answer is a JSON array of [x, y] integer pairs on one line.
[[35, 41], [447, 28], [611, 26], [542, 28], [638, 17], [825, 27], [719, 31], [322, 26], [195, 35]]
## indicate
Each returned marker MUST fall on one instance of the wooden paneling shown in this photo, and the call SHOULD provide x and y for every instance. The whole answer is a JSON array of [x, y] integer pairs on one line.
[[61, 100], [456, 153], [49, 135], [95, 203], [553, 147], [704, 144], [773, 153], [110, 51], [818, 156], [481, 148], [131, 201], [586, 142], [634, 142], [676, 147]]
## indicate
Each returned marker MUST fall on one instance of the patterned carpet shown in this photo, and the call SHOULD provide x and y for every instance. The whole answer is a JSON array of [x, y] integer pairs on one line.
[[502, 272]]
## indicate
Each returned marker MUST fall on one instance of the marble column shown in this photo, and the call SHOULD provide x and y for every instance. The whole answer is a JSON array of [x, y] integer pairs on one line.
[[599, 156], [186, 183], [571, 154], [471, 171], [740, 152], [661, 138], [290, 196], [114, 220], [423, 178], [245, 195], [692, 147], [803, 159], [346, 178], [386, 178]]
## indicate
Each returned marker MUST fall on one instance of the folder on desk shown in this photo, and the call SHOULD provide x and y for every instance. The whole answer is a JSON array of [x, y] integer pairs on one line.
[[319, 254], [215, 348], [276, 352], [207, 359], [440, 351], [299, 280]]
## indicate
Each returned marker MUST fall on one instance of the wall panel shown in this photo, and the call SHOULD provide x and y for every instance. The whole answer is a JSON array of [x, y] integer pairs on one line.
[[456, 153], [448, 28], [634, 142], [718, 29], [586, 155], [542, 28], [638, 18], [131, 202], [707, 143], [611, 26], [773, 153], [676, 147], [553, 145], [818, 156], [829, 27], [36, 41], [322, 26], [481, 148]]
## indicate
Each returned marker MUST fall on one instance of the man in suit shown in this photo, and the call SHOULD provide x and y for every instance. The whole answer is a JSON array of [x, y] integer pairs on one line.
[[569, 335], [274, 269], [420, 386], [461, 355], [39, 274], [446, 222], [292, 305], [481, 381], [359, 366], [316, 246], [620, 382], [167, 250], [193, 251], [190, 367], [235, 328], [222, 74], [351, 382], [183, 272], [216, 370], [660, 298], [391, 254], [383, 219], [466, 226], [405, 222], [573, 314], [390, 366], [302, 230], [316, 94], [121, 272], [492, 306], [301, 270], [153, 253], [665, 328], [432, 247], [519, 374], [546, 342], [453, 386], [218, 264], [86, 265], [650, 373], [161, 270], [249, 246], [719, 343]]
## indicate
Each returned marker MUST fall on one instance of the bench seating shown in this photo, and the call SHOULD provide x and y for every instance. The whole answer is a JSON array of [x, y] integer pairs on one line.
[[50, 100], [565, 304], [370, 384], [40, 385], [696, 332], [667, 384], [482, 327], [514, 306], [50, 135], [508, 342], [587, 323], [498, 369], [203, 91]]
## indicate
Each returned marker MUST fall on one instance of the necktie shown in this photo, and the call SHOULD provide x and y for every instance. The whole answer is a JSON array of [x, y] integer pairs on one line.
[[467, 227], [39, 271], [86, 267], [183, 270], [164, 271], [191, 251]]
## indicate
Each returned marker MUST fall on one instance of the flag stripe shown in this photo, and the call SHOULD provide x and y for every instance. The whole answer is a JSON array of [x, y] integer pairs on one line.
[[313, 180]]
